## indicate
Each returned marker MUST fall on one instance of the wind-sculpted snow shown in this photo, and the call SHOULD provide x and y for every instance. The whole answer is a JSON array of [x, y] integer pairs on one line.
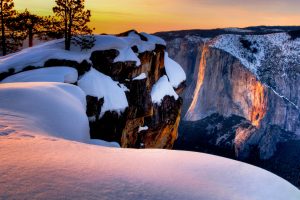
[[46, 110], [38, 168], [51, 74]]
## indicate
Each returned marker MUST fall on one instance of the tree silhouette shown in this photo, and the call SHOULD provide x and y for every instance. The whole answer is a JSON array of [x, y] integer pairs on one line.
[[27, 23], [32, 25], [10, 40], [74, 18]]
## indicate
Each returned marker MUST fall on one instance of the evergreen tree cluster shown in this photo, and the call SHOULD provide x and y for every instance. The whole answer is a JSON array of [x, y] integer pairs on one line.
[[70, 20]]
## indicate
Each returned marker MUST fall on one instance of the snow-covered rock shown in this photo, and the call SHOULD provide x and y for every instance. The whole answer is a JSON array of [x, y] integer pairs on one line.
[[51, 74], [96, 84], [134, 39], [161, 89], [174, 72], [140, 77], [38, 55], [116, 75]]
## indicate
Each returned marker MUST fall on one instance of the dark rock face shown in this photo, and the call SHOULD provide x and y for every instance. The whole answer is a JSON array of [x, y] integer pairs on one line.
[[82, 67], [162, 120], [187, 52]]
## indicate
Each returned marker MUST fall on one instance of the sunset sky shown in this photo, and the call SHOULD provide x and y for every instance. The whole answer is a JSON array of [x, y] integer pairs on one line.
[[115, 16]]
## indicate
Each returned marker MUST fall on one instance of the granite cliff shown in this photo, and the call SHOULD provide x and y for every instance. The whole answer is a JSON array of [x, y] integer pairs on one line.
[[243, 91]]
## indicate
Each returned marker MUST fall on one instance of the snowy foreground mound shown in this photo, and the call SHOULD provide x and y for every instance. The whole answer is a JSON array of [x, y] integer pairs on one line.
[[42, 157]]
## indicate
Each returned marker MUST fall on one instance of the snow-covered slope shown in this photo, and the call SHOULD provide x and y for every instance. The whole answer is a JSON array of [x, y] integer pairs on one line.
[[51, 74], [37, 168], [44, 109], [36, 56]]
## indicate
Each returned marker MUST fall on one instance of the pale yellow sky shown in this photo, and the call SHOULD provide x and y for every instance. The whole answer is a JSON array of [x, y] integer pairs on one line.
[[115, 16]]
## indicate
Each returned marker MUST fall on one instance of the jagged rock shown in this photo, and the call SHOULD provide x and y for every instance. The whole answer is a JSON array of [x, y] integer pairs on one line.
[[164, 121], [139, 99], [93, 107]]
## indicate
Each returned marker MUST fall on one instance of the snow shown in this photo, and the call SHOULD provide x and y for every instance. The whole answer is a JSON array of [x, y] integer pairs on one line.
[[46, 110], [37, 55], [174, 71], [288, 50], [51, 74], [154, 39], [232, 45], [161, 89], [35, 168], [135, 40], [274, 51], [96, 84], [140, 77], [143, 128], [46, 153]]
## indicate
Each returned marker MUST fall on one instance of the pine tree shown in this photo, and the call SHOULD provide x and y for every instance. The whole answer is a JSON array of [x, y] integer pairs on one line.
[[27, 23], [10, 40], [32, 26], [74, 18]]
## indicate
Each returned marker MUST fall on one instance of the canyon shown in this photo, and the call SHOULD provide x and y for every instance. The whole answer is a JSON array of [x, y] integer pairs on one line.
[[242, 96]]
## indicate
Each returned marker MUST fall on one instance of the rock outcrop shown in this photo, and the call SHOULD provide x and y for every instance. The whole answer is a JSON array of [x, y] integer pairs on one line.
[[256, 80], [117, 75]]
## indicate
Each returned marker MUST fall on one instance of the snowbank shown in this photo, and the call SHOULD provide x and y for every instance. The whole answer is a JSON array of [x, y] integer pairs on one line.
[[174, 71], [35, 168], [51, 74], [96, 84], [45, 109], [161, 89]]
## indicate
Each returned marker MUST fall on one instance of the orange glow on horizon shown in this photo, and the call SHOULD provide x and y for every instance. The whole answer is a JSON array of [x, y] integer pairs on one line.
[[153, 15]]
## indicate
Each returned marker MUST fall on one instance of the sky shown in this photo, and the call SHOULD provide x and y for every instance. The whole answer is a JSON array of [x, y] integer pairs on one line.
[[115, 16]]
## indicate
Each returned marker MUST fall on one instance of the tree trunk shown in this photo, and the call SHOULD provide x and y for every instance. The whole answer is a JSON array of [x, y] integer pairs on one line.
[[67, 46], [3, 37], [69, 31], [30, 35]]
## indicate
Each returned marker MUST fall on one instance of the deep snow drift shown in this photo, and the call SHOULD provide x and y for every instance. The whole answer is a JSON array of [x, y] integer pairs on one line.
[[45, 109], [37, 162]]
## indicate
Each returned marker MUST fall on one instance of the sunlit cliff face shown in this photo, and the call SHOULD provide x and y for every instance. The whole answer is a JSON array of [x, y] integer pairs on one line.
[[226, 87], [259, 107], [200, 79]]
